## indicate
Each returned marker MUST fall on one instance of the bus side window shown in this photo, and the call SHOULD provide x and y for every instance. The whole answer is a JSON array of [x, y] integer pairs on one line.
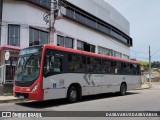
[[89, 65], [57, 65], [46, 64], [138, 70], [52, 65], [112, 67], [116, 67]]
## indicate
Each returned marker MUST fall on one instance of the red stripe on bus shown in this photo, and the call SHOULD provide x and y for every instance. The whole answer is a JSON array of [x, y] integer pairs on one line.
[[60, 48]]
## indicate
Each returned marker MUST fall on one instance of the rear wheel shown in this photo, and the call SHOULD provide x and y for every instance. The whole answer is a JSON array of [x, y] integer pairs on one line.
[[123, 89], [72, 95]]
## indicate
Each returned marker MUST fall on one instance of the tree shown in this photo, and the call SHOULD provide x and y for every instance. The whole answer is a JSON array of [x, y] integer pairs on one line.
[[144, 65]]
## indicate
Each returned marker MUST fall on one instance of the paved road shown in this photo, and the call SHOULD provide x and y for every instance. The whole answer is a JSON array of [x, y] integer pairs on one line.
[[138, 100]]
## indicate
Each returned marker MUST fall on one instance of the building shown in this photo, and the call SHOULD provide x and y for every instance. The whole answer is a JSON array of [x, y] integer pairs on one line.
[[93, 26]]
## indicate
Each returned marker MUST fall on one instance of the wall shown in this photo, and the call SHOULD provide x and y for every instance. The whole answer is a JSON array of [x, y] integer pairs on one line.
[[1, 7], [80, 32], [24, 14]]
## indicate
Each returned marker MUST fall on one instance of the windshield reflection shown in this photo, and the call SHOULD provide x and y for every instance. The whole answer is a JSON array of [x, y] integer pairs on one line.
[[28, 68]]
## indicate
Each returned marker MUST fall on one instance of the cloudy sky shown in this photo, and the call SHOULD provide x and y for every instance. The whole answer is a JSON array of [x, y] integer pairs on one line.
[[144, 18]]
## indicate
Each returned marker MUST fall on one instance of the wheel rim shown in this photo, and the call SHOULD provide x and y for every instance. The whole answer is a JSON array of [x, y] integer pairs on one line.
[[123, 89], [73, 94]]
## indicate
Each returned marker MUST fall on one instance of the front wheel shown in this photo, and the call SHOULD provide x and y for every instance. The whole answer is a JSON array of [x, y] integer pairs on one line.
[[72, 95], [123, 89]]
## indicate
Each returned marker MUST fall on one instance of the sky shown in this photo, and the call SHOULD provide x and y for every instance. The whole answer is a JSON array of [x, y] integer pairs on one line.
[[144, 18]]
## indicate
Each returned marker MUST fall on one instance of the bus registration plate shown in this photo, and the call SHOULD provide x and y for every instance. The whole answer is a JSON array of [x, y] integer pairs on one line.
[[21, 97]]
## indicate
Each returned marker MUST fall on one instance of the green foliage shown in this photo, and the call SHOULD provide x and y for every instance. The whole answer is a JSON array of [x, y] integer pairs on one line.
[[144, 65], [156, 64]]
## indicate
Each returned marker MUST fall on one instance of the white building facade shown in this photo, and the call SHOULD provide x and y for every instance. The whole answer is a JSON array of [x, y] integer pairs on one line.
[[91, 25]]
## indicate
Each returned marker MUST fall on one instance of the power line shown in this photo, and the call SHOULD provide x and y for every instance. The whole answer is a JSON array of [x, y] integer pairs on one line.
[[140, 52], [144, 58], [155, 52]]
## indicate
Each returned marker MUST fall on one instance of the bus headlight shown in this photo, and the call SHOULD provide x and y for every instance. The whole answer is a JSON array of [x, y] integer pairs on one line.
[[35, 88]]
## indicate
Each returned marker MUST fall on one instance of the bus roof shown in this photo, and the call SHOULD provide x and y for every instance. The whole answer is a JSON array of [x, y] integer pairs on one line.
[[60, 48]]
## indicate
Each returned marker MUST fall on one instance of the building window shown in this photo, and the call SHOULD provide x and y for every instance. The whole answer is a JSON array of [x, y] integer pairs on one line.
[[42, 3], [14, 35], [79, 17], [111, 53], [70, 13], [92, 48], [117, 54], [85, 46], [64, 41], [126, 57], [80, 45], [37, 37], [103, 51], [91, 23]]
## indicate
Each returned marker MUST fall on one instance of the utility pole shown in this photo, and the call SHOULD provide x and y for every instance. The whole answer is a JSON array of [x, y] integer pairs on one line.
[[51, 16], [51, 24], [150, 67]]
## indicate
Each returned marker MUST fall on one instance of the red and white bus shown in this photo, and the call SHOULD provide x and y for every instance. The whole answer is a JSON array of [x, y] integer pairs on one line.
[[53, 72]]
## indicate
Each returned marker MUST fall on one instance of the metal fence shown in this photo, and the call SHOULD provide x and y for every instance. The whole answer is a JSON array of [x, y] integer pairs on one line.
[[2, 75]]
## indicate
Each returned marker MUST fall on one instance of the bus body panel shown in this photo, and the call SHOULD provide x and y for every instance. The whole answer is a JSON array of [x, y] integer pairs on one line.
[[26, 92], [56, 86]]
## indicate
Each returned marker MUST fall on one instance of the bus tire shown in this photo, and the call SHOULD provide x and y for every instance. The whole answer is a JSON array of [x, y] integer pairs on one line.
[[123, 89], [72, 94]]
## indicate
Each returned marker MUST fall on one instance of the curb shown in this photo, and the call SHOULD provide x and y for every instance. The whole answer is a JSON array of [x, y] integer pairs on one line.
[[15, 100], [142, 88], [145, 86], [9, 101]]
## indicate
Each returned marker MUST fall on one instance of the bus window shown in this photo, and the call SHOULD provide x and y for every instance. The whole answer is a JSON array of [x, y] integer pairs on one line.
[[106, 66], [121, 71], [76, 63], [112, 67], [94, 65], [97, 65], [134, 69], [118, 67], [138, 70], [57, 65], [52, 65]]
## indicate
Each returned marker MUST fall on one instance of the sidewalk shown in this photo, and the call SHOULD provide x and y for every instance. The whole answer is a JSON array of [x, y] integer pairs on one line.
[[154, 85], [8, 99], [145, 86]]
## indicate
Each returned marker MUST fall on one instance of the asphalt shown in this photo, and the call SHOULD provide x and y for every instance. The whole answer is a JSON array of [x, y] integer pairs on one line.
[[10, 99]]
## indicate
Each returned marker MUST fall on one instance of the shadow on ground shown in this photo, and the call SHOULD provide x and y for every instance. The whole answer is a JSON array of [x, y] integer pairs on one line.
[[60, 102]]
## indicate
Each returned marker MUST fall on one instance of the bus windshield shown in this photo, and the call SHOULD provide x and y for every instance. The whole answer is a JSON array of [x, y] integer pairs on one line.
[[28, 67]]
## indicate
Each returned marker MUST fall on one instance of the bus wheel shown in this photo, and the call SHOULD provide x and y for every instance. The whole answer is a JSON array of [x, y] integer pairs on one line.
[[123, 89], [72, 94]]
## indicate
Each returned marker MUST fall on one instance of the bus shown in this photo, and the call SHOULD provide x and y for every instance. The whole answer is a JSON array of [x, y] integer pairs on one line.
[[53, 72]]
